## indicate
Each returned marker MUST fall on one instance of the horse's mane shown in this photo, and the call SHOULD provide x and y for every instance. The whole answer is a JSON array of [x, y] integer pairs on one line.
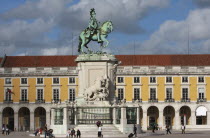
[[105, 22]]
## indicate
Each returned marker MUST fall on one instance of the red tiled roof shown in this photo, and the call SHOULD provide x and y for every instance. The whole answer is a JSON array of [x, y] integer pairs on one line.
[[39, 61], [126, 60], [164, 60]]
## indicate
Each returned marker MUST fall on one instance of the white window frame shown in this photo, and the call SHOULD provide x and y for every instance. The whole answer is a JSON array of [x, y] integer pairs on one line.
[[23, 78], [6, 81], [171, 92], [37, 93], [188, 91], [171, 79], [53, 93], [187, 79], [139, 92], [56, 83], [122, 78], [74, 94], [136, 82], [198, 91], [21, 93], [153, 82], [123, 92], [203, 79], [155, 91], [5, 92], [74, 80], [37, 81]]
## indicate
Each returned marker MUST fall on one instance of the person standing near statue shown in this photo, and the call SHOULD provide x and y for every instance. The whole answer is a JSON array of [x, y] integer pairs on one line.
[[93, 24]]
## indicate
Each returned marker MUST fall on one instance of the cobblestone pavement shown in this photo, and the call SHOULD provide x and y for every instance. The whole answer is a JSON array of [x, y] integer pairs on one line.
[[159, 134]]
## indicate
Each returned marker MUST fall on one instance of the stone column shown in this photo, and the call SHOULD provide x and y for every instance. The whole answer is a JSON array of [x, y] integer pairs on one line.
[[177, 121], [48, 118], [114, 115], [144, 125], [208, 118], [75, 116], [193, 118], [1, 119], [52, 117], [138, 121], [65, 116], [123, 120], [160, 120], [32, 121], [16, 121]]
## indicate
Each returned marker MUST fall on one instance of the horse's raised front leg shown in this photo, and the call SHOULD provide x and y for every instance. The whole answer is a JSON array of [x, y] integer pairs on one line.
[[103, 38], [82, 46]]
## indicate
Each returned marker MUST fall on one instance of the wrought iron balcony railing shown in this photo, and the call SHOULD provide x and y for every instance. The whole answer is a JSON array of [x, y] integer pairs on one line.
[[56, 101], [185, 100], [137, 100], [153, 100], [23, 101], [169, 100], [8, 101], [40, 101], [201, 100]]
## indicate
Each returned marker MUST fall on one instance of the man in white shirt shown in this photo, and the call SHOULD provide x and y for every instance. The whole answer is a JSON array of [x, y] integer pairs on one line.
[[100, 131]]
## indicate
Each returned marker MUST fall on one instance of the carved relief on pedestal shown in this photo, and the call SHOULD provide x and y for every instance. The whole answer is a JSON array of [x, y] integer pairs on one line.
[[99, 90]]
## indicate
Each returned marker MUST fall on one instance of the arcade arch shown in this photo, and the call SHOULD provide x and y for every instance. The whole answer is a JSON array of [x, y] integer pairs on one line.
[[185, 114], [201, 115], [8, 117], [169, 114], [153, 115], [24, 119], [40, 117]]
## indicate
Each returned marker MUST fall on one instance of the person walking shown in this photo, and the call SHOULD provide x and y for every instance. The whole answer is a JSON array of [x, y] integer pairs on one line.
[[134, 130], [3, 129], [100, 131], [45, 131], [68, 133], [183, 129], [168, 129], [73, 133], [78, 133], [153, 128], [7, 129]]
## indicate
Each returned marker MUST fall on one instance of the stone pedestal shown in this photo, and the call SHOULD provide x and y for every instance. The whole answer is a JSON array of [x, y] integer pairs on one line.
[[90, 68], [59, 128]]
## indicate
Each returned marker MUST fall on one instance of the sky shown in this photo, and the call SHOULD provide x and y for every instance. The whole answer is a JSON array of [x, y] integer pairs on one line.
[[143, 27]]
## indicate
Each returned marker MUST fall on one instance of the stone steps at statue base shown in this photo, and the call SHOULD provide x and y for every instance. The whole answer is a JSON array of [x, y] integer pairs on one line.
[[92, 131]]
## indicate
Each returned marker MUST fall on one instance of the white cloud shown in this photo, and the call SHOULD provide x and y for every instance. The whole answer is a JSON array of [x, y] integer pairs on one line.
[[65, 50], [172, 36]]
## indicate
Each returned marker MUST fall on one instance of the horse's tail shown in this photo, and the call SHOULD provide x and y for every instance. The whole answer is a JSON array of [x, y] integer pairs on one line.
[[80, 43]]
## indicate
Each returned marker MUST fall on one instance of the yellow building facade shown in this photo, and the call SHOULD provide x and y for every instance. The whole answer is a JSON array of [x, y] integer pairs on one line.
[[162, 94]]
